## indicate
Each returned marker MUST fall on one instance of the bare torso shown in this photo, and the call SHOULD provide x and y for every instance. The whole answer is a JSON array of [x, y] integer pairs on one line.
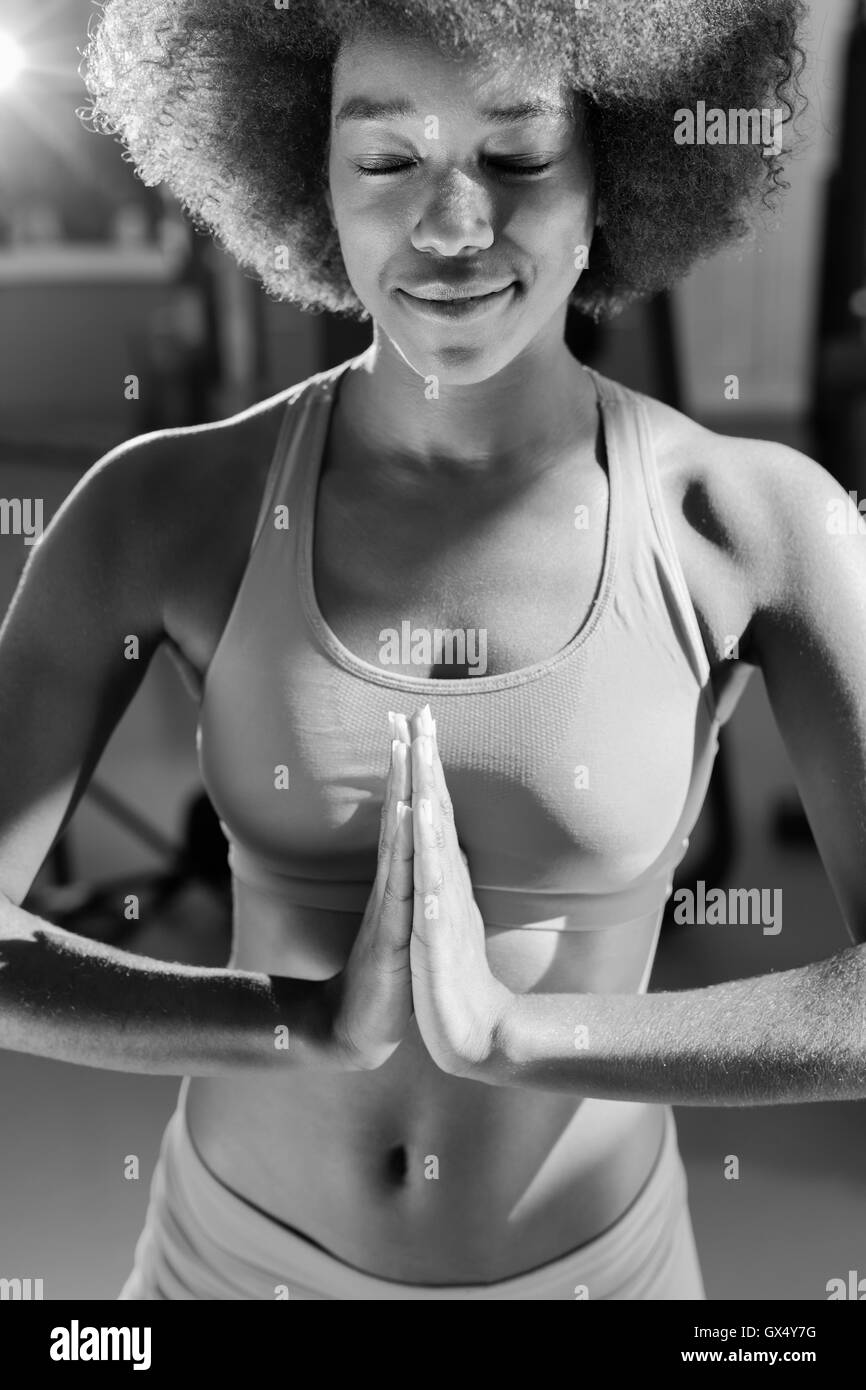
[[523, 1176]]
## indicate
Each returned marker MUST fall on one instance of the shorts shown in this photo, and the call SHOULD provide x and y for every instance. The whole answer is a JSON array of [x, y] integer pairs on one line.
[[202, 1241]]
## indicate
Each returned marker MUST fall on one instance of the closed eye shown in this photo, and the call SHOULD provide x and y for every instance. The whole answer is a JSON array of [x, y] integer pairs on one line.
[[522, 170]]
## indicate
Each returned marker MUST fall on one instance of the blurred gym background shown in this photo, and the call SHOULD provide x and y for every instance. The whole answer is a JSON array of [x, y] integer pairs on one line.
[[102, 279]]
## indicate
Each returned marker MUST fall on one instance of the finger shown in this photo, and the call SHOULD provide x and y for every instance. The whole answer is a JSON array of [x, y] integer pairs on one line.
[[402, 773], [428, 781], [446, 805], [441, 785], [395, 920], [423, 780], [395, 790], [398, 785], [399, 726], [430, 880]]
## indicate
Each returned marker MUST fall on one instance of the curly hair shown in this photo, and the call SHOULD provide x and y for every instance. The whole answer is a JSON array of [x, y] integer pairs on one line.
[[228, 104]]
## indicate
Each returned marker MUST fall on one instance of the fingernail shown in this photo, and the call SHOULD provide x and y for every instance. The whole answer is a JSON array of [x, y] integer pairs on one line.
[[427, 720], [426, 809]]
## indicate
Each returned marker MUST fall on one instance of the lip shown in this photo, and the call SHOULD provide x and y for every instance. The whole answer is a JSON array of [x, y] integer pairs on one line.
[[466, 307], [441, 289]]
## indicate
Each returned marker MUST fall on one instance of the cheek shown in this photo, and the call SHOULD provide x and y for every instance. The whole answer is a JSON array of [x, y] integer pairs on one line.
[[374, 240], [557, 233], [356, 228], [368, 238], [574, 227]]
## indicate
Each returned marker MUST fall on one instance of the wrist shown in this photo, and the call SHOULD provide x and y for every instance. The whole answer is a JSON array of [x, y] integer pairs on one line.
[[297, 1024], [339, 1047], [546, 1042], [334, 1049], [498, 1067]]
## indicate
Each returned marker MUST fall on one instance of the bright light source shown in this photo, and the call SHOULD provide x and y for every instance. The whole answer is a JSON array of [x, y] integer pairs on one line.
[[11, 60]]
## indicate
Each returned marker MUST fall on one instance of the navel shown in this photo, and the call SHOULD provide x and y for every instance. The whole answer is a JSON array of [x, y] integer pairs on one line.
[[397, 1164]]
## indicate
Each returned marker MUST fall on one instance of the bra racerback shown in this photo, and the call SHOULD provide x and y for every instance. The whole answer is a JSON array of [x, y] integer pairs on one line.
[[576, 781]]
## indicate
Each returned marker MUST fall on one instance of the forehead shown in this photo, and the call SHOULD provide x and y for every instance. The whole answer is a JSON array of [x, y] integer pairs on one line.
[[395, 72]]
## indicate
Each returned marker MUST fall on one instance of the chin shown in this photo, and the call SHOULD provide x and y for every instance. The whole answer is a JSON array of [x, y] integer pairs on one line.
[[454, 364]]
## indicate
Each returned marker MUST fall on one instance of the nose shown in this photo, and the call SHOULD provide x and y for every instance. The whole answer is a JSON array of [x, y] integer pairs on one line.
[[457, 215]]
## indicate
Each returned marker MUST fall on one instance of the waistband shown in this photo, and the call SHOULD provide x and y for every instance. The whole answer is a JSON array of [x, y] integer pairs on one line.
[[204, 1241]]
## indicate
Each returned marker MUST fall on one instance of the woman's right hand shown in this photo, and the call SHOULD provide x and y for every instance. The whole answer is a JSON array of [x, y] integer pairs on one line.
[[369, 1003]]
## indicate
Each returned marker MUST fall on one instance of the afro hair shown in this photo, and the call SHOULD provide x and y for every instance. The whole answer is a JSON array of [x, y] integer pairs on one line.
[[228, 104]]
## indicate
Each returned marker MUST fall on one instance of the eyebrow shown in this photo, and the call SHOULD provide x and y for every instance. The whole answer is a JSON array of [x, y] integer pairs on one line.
[[364, 109]]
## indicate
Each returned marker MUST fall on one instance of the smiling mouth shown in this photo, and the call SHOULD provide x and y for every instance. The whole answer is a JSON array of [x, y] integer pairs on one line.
[[456, 297], [465, 307]]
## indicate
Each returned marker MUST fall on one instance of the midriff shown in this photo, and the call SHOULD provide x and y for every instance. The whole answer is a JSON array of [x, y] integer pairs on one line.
[[406, 1172]]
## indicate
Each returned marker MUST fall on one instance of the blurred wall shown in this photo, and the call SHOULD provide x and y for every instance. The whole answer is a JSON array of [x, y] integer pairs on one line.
[[751, 311]]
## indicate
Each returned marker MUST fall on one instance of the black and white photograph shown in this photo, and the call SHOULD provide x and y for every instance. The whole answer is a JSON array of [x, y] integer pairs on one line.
[[433, 658]]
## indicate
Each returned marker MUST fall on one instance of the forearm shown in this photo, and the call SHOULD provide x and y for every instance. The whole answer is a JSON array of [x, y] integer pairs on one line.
[[796, 1035], [75, 1000]]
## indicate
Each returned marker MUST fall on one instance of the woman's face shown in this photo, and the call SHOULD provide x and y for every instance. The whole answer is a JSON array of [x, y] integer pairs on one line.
[[448, 194]]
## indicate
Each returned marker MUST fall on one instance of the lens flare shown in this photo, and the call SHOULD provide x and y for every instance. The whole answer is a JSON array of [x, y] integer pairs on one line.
[[11, 60]]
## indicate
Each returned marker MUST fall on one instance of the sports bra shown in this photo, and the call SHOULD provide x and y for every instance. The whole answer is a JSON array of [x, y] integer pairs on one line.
[[576, 781]]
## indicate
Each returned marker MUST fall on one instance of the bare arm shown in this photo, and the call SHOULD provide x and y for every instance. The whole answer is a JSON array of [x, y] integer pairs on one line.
[[84, 622], [792, 1035], [68, 669], [75, 1000]]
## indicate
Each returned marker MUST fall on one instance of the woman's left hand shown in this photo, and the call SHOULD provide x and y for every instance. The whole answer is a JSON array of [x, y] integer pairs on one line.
[[458, 1002]]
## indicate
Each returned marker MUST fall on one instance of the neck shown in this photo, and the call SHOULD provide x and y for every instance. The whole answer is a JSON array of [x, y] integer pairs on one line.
[[538, 406]]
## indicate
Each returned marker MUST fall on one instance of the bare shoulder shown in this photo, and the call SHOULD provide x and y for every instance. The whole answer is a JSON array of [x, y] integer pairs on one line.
[[192, 495], [736, 507]]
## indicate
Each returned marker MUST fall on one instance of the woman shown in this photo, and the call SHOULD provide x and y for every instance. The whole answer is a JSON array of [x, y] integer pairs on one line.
[[436, 1073]]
